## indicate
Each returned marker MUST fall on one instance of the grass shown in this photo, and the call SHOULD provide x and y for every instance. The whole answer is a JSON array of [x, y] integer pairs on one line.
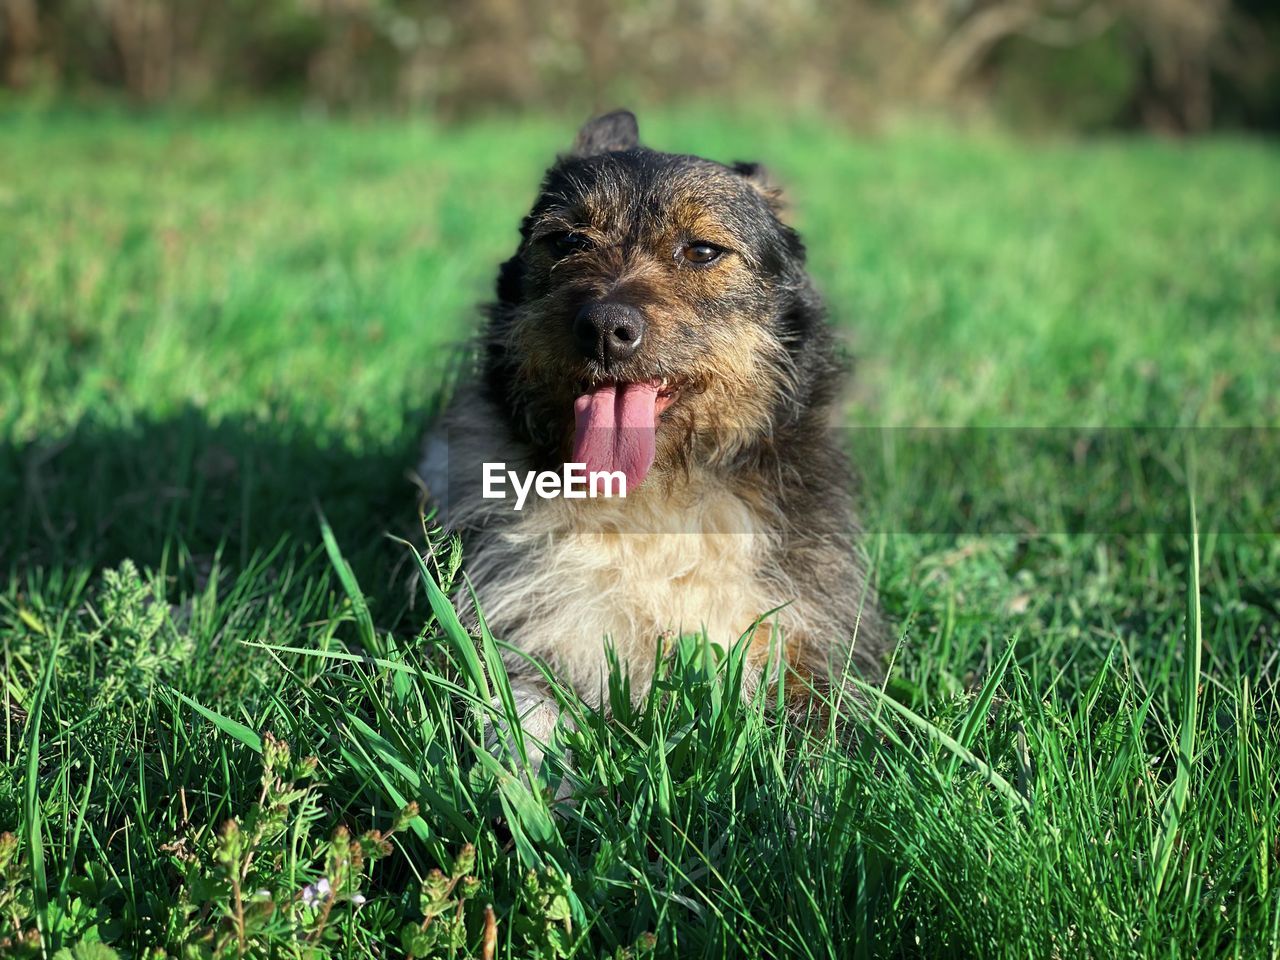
[[221, 337]]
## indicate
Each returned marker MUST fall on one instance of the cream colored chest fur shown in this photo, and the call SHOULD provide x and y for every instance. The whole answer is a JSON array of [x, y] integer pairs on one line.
[[566, 575]]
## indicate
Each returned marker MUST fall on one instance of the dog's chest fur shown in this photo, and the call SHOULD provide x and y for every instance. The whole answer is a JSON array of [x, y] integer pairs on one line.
[[559, 577]]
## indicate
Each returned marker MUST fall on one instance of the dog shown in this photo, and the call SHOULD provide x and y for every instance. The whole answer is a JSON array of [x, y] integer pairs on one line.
[[657, 325]]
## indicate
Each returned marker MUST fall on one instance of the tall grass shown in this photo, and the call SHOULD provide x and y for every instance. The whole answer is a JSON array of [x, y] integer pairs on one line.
[[1073, 754]]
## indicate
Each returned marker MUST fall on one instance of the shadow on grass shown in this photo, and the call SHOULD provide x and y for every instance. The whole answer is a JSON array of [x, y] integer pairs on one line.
[[237, 487]]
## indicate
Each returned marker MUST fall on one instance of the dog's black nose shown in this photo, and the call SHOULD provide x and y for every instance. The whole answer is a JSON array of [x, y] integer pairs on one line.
[[608, 331]]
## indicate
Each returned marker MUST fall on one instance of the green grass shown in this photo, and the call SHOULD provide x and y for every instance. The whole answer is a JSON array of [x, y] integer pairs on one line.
[[213, 330]]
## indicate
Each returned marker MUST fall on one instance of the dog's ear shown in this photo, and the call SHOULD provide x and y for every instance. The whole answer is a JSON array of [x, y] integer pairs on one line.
[[758, 177], [611, 133]]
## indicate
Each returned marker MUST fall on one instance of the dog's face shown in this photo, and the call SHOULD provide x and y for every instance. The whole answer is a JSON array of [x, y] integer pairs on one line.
[[656, 307]]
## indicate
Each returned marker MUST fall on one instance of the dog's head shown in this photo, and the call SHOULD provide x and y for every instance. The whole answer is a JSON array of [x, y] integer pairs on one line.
[[657, 309]]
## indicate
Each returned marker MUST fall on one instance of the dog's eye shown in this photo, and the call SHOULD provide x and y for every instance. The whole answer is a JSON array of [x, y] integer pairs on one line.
[[570, 242], [700, 253]]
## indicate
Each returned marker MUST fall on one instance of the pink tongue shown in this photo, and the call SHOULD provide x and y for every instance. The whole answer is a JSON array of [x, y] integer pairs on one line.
[[614, 429]]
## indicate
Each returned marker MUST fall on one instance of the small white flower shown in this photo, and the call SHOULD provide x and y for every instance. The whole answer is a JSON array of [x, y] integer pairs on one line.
[[358, 899], [314, 894]]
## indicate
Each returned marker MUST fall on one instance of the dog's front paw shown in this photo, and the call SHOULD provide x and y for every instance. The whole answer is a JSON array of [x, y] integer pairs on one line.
[[539, 718]]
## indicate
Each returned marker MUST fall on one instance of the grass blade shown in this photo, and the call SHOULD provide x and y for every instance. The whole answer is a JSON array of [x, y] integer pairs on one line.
[[454, 631], [981, 708], [946, 741], [232, 728], [1172, 815], [359, 605], [31, 796], [383, 662]]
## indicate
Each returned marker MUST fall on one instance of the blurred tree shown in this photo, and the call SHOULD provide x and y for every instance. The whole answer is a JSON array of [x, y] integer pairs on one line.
[[1175, 65], [1175, 50], [144, 32], [21, 38]]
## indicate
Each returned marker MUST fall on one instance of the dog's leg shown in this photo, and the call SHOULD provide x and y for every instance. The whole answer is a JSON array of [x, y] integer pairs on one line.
[[538, 717]]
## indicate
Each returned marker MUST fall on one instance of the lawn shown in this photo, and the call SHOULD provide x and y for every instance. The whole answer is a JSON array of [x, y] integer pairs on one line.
[[219, 341]]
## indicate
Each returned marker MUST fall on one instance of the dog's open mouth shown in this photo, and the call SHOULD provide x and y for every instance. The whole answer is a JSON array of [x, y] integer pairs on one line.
[[615, 426]]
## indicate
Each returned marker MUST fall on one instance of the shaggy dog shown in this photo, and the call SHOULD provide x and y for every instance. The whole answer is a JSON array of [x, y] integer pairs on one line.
[[657, 322]]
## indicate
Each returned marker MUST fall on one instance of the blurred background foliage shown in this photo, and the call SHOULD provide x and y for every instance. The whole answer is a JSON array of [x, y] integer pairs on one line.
[[1175, 66]]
